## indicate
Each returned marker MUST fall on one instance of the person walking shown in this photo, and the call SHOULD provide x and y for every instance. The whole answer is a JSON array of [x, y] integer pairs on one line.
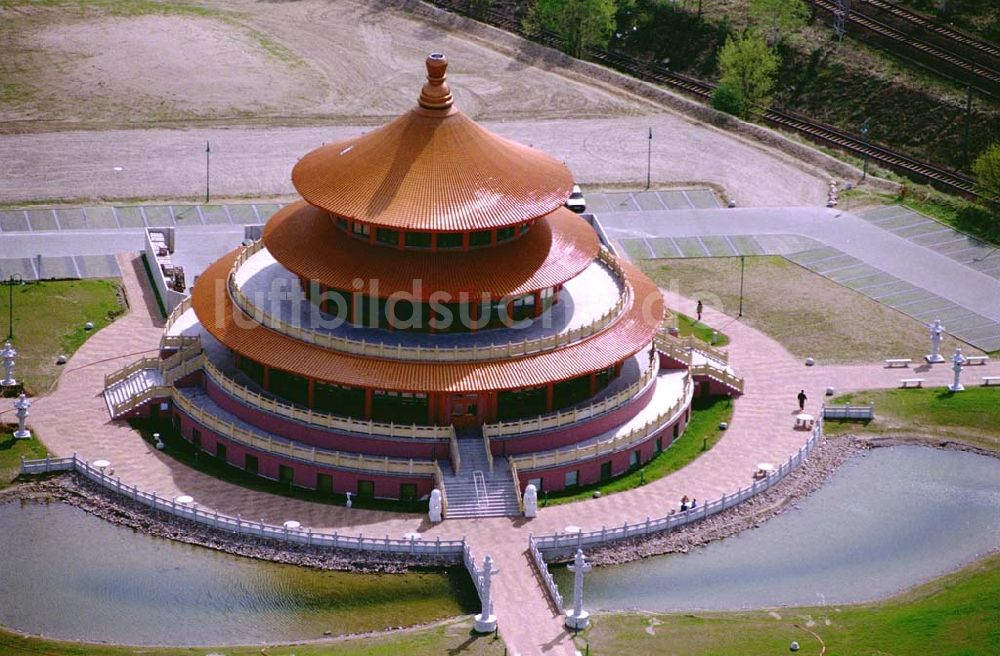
[[699, 309], [802, 400]]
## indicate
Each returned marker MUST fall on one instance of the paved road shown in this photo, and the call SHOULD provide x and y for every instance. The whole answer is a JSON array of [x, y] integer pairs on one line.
[[913, 277]]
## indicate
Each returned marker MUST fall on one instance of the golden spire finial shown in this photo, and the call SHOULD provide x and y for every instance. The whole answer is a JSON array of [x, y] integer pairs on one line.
[[435, 93]]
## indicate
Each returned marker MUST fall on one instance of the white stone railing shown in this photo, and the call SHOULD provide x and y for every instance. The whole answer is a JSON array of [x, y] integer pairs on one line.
[[129, 369], [581, 453], [574, 415], [423, 353], [721, 375], [445, 550], [177, 342], [322, 419], [310, 454], [517, 485], [680, 347], [543, 573], [456, 455], [563, 543], [136, 400], [176, 313], [489, 451], [439, 484]]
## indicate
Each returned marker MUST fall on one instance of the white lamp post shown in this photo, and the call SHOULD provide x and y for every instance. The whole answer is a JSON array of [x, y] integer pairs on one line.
[[578, 618], [957, 362], [9, 353], [21, 405]]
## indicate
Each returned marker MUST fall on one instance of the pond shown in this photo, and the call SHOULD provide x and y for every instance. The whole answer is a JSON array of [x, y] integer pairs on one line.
[[68, 574], [886, 521]]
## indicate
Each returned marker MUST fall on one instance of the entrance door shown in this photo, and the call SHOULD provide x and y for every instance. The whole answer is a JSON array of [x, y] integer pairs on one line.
[[465, 410]]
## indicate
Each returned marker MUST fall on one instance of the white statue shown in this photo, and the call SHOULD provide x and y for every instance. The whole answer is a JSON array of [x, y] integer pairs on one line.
[[578, 619], [957, 362], [21, 405], [9, 353], [434, 514], [936, 331], [530, 501], [486, 622]]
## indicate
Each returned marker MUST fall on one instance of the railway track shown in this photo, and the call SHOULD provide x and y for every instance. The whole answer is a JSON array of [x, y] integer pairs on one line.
[[816, 132], [937, 28], [974, 69]]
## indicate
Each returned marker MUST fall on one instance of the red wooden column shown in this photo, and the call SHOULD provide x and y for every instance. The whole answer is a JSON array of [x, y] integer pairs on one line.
[[311, 393], [593, 383], [538, 304], [549, 397], [266, 380], [492, 403], [431, 403], [368, 402]]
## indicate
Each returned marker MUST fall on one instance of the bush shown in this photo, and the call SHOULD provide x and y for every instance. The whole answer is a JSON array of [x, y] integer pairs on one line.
[[728, 100]]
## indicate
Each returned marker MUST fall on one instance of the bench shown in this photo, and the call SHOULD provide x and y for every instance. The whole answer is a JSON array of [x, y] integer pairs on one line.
[[898, 362], [848, 412], [911, 382], [990, 380], [976, 359]]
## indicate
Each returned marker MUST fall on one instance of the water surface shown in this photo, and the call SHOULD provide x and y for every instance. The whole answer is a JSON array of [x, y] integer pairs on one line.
[[886, 521], [68, 574]]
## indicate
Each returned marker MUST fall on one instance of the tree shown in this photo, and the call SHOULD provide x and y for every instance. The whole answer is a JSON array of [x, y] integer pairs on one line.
[[581, 23], [778, 16], [747, 67], [987, 171]]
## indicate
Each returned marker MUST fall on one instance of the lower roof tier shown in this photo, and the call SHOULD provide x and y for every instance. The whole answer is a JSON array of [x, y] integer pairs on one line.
[[220, 316], [306, 242]]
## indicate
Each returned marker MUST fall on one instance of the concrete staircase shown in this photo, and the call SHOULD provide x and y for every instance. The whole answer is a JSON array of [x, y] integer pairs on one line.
[[475, 491], [129, 387]]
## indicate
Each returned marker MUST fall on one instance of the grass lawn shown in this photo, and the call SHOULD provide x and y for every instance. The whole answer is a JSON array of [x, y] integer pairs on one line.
[[972, 416], [955, 615], [11, 451], [48, 320], [700, 435], [808, 314], [181, 450], [689, 326], [445, 638]]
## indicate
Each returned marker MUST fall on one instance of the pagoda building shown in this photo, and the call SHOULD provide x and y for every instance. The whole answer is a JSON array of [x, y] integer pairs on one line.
[[429, 311]]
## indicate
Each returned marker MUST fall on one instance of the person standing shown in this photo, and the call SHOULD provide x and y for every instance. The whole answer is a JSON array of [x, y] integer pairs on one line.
[[699, 309], [802, 400]]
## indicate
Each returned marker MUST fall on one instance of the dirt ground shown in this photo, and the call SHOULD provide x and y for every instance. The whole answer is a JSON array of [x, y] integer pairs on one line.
[[95, 96]]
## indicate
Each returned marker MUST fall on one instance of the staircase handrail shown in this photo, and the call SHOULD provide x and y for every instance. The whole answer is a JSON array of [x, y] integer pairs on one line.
[[267, 444], [129, 369], [323, 419], [690, 343], [439, 484], [722, 375], [177, 342], [574, 415], [134, 401], [489, 451], [456, 456], [423, 353], [618, 443], [176, 313], [517, 484]]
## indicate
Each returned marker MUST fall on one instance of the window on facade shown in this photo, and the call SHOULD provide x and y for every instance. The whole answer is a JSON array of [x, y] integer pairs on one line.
[[659, 444], [289, 386], [339, 400], [196, 438], [387, 236], [250, 464], [324, 483], [516, 404], [525, 227], [449, 240], [253, 369], [407, 492], [220, 451], [342, 222], [572, 478], [537, 482], [605, 470], [399, 407], [286, 474], [366, 489], [481, 238], [634, 458], [505, 234], [361, 229], [418, 239]]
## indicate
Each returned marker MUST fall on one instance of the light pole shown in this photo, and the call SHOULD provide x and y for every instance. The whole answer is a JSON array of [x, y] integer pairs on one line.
[[13, 279], [208, 153], [649, 157], [864, 137], [743, 262]]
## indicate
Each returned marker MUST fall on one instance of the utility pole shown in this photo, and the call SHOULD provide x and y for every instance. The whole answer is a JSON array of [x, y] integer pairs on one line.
[[208, 153], [649, 158], [743, 262], [840, 16]]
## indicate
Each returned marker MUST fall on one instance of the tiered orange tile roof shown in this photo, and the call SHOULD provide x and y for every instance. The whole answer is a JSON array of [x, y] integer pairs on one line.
[[631, 333], [305, 241], [433, 169]]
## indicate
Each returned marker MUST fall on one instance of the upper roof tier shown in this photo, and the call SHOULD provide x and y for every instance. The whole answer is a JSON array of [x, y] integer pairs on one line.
[[433, 169]]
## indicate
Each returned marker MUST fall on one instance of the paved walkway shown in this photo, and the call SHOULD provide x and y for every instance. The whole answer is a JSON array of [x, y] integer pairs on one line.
[[74, 419], [921, 279]]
